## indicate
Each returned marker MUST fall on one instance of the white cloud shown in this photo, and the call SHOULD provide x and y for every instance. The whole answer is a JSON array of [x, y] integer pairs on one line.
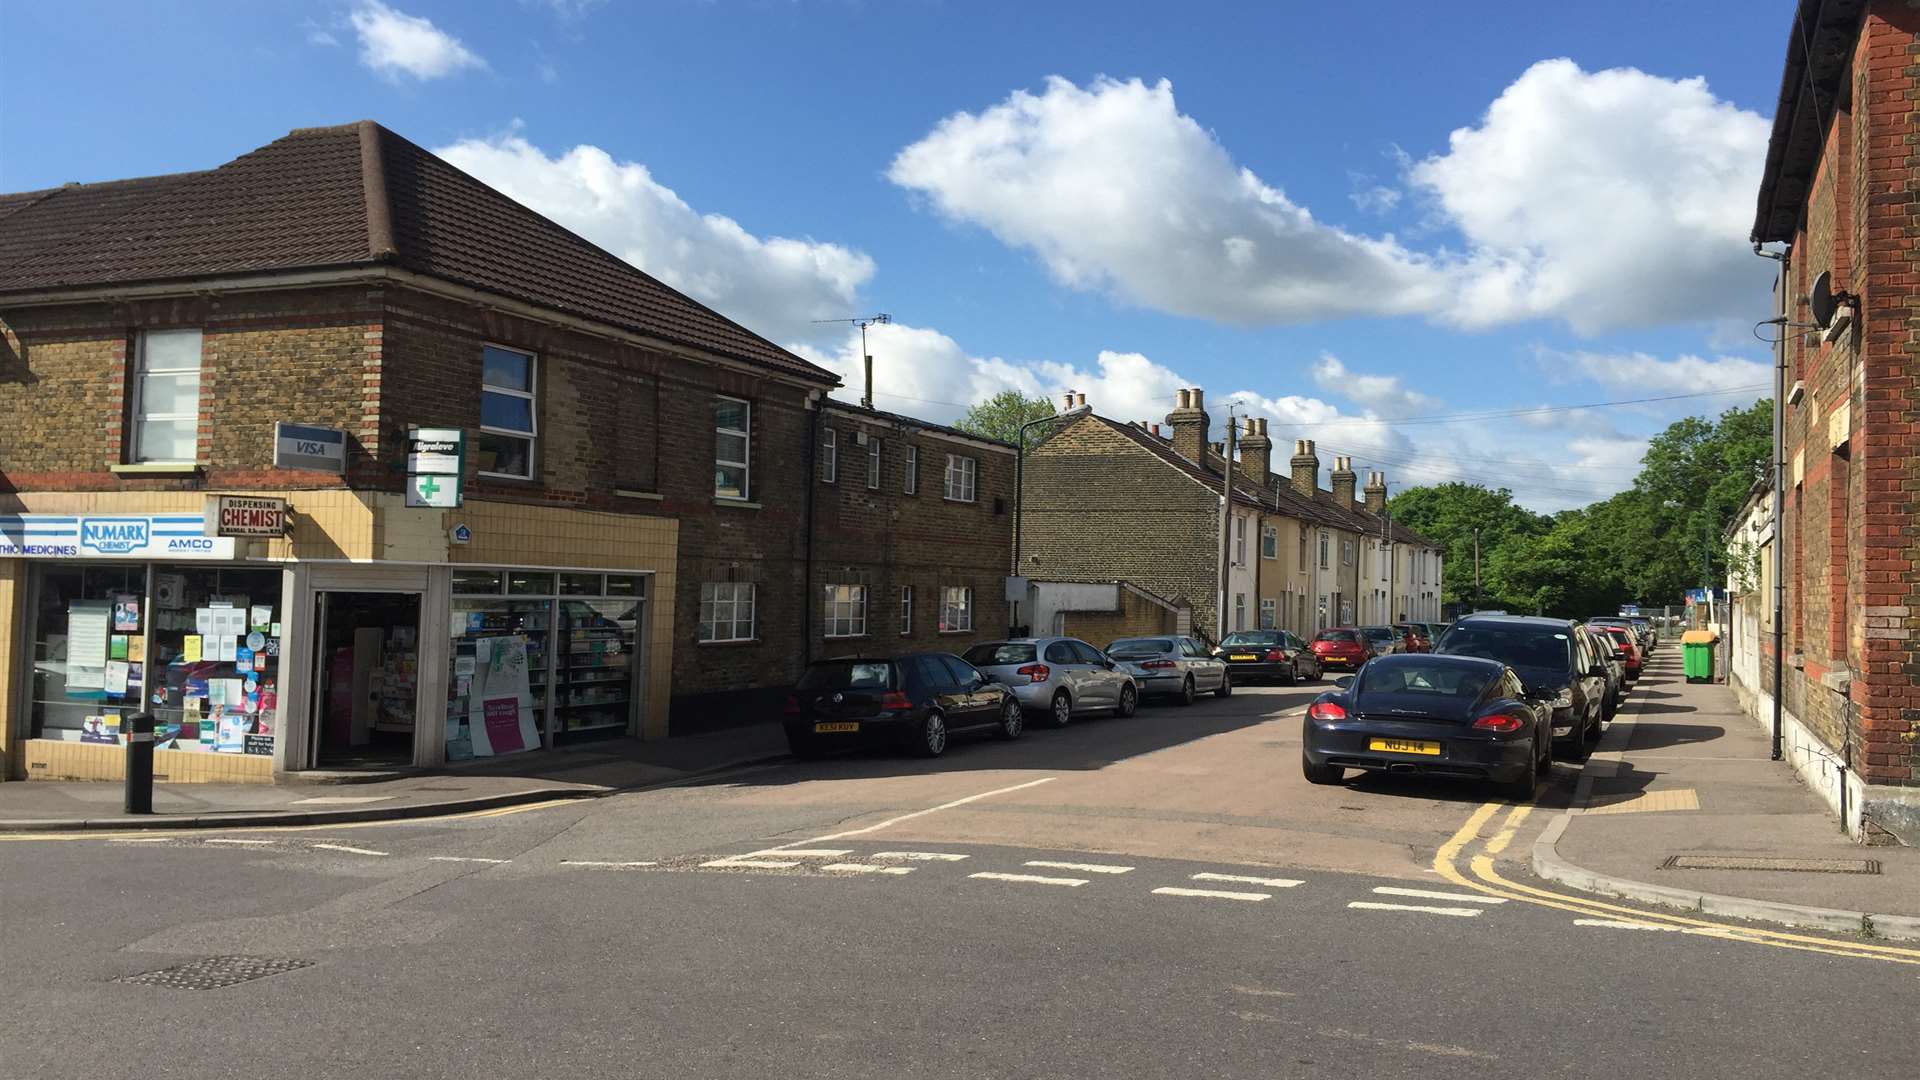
[[1384, 393], [1686, 374], [773, 285], [1113, 188], [1605, 199], [317, 34], [395, 43]]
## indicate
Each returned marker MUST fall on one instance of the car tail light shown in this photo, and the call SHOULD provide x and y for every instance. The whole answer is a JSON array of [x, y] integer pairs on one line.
[[1036, 672], [1327, 710], [793, 705], [894, 699], [1276, 655], [1501, 722], [1157, 664]]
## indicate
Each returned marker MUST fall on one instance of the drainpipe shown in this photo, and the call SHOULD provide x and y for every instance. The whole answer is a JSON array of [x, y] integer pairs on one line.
[[814, 402], [1779, 510]]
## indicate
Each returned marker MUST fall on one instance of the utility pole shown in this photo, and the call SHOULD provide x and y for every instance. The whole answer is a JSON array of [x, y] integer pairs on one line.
[[1226, 521], [1476, 569], [1386, 547]]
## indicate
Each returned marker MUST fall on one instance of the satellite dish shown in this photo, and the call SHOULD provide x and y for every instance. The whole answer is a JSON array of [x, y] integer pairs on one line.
[[1823, 299]]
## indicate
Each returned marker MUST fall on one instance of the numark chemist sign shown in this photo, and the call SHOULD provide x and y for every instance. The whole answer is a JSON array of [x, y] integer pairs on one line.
[[110, 536]]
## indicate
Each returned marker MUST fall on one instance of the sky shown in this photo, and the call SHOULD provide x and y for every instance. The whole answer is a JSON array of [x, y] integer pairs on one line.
[[1436, 239]]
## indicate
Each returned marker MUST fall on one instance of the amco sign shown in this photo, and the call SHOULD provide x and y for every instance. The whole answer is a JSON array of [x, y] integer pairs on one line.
[[137, 536]]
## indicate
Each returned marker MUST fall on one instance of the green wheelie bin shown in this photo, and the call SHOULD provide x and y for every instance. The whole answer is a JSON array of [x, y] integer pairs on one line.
[[1696, 654]]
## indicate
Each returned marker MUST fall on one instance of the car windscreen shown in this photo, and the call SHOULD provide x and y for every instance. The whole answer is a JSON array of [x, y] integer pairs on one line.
[[1140, 646], [1521, 648], [1257, 638], [998, 653], [848, 675], [1377, 633], [1440, 680], [1346, 636]]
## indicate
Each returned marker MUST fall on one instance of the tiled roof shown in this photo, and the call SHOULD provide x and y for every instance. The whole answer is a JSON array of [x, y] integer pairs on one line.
[[336, 197], [904, 420]]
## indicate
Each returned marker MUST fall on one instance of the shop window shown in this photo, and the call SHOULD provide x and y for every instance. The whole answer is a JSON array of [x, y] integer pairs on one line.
[[481, 582], [846, 610], [166, 401], [726, 611], [498, 686], [732, 447], [912, 482], [962, 471], [594, 668], [581, 585], [529, 583], [73, 643], [626, 585], [956, 610], [508, 413]]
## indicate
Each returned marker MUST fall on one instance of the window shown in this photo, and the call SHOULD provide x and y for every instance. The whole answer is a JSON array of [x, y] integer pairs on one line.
[[961, 473], [912, 483], [846, 613], [1269, 543], [829, 456], [873, 463], [1346, 553], [906, 610], [732, 447], [1086, 654], [1269, 614], [1240, 541], [1060, 654], [166, 403], [1303, 547], [507, 413], [1325, 549], [956, 607], [1240, 611], [726, 611]]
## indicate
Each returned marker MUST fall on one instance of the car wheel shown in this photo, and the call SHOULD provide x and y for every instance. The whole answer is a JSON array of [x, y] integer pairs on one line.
[[1321, 774], [1292, 678], [1186, 691], [1519, 789], [933, 735], [1062, 711], [1225, 689], [1129, 702], [1012, 719]]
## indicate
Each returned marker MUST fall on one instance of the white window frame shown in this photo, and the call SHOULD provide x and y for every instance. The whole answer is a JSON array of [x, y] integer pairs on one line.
[[948, 609], [1239, 611], [1269, 613], [1346, 553], [906, 610], [1306, 560], [912, 484], [845, 614], [962, 476], [1269, 542], [1240, 542], [829, 456], [710, 601], [1326, 550], [138, 412], [873, 462], [746, 464], [532, 396]]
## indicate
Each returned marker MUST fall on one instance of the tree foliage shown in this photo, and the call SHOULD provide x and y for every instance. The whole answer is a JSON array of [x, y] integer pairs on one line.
[[1001, 416]]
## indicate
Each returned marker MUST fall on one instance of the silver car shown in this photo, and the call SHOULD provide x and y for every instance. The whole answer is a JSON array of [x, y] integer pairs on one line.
[[1061, 677], [1180, 666]]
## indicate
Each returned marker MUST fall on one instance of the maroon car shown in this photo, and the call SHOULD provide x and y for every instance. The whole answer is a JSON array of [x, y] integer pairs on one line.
[[1342, 647], [1417, 640]]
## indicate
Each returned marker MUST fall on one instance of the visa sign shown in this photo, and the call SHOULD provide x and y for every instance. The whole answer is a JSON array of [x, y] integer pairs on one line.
[[115, 536]]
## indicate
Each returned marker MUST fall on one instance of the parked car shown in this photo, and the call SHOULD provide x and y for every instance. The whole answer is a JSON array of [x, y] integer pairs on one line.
[[1268, 654], [1060, 677], [1342, 647], [1433, 715], [1649, 633], [1179, 666], [1433, 630], [1384, 640], [1416, 637], [1611, 658], [1642, 628], [1553, 658], [1621, 640], [916, 701]]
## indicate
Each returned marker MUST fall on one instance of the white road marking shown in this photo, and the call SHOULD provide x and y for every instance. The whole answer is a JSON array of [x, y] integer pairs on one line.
[[751, 864], [1462, 912], [919, 856], [349, 850], [1622, 924], [917, 813], [802, 853], [463, 858], [1429, 894], [1083, 867], [588, 862], [1034, 879], [236, 840], [1243, 879], [865, 868], [1216, 894]]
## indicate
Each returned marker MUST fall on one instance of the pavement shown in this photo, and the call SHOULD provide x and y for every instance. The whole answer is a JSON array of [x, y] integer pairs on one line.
[[1683, 775], [586, 771]]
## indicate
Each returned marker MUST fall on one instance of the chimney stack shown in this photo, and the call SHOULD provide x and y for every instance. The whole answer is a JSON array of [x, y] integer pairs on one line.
[[1189, 422], [1066, 401], [1256, 451], [1377, 492], [1344, 479], [1306, 467]]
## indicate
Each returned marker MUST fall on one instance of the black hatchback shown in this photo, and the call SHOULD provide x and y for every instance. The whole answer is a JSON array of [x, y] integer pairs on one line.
[[1418, 713], [913, 702], [1554, 658]]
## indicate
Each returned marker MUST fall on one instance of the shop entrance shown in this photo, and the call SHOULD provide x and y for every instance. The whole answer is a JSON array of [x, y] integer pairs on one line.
[[366, 686]]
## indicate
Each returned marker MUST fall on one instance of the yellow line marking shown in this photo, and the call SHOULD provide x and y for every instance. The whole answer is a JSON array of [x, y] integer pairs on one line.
[[1508, 828]]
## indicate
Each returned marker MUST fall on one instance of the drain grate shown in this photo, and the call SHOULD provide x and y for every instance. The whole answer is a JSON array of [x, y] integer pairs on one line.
[[214, 972], [1797, 866]]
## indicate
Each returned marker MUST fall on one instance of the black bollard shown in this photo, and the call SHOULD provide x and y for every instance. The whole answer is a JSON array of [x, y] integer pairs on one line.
[[140, 763]]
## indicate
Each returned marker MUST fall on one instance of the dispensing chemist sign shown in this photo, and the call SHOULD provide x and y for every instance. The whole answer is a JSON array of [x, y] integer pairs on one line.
[[245, 515]]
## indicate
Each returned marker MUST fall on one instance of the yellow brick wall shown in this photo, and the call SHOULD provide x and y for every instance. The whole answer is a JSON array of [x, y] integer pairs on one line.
[[1137, 617], [52, 759]]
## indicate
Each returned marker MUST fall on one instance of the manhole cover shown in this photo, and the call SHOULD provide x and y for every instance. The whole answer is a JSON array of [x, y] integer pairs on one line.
[[1798, 866], [214, 972]]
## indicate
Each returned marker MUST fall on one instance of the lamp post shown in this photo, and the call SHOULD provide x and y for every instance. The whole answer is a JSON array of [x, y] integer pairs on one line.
[[1020, 482]]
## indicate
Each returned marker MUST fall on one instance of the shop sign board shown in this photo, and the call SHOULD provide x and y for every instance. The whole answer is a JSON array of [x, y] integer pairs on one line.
[[435, 450], [247, 515], [298, 446], [433, 491], [110, 536]]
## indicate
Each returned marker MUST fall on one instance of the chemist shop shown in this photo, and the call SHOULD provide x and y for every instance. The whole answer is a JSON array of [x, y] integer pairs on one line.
[[253, 663]]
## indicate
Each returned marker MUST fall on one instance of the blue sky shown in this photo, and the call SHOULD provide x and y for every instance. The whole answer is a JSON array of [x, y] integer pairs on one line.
[[1265, 200]]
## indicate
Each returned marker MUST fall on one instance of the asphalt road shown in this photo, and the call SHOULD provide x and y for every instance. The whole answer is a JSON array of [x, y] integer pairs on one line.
[[1160, 896]]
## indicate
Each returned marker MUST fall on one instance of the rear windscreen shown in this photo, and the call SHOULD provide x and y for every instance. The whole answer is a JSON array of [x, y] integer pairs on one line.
[[1136, 646], [1337, 635], [996, 653], [1257, 638], [1515, 648], [848, 675]]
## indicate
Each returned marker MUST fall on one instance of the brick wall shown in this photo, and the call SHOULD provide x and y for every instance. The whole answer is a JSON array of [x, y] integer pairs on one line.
[[1137, 617]]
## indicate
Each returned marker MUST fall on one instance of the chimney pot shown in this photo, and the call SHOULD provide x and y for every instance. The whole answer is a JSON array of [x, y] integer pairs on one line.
[[1263, 425], [1199, 398], [1066, 401], [1186, 399], [1079, 400]]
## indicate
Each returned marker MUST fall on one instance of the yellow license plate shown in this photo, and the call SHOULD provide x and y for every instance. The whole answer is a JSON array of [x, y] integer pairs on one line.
[[847, 725], [1404, 746], [1243, 656]]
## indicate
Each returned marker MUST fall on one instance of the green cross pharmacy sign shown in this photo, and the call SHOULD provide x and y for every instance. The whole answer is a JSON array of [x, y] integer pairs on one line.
[[435, 461]]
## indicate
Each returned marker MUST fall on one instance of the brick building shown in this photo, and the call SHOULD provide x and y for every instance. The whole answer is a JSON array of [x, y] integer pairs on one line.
[[629, 555], [1838, 191]]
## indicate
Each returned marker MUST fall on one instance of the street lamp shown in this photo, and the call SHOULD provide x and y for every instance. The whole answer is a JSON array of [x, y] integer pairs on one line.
[[1020, 480]]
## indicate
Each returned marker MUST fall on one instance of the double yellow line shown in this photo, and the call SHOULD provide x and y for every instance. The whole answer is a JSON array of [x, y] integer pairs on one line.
[[1481, 876]]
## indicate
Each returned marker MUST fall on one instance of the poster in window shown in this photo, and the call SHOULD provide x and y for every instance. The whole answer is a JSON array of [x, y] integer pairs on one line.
[[500, 702], [87, 634], [126, 613]]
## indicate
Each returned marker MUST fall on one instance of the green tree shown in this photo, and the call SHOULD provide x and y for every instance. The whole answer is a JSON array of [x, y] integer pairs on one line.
[[1448, 514], [1001, 416]]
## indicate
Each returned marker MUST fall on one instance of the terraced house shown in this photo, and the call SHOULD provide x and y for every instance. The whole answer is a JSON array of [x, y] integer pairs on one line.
[[334, 456]]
